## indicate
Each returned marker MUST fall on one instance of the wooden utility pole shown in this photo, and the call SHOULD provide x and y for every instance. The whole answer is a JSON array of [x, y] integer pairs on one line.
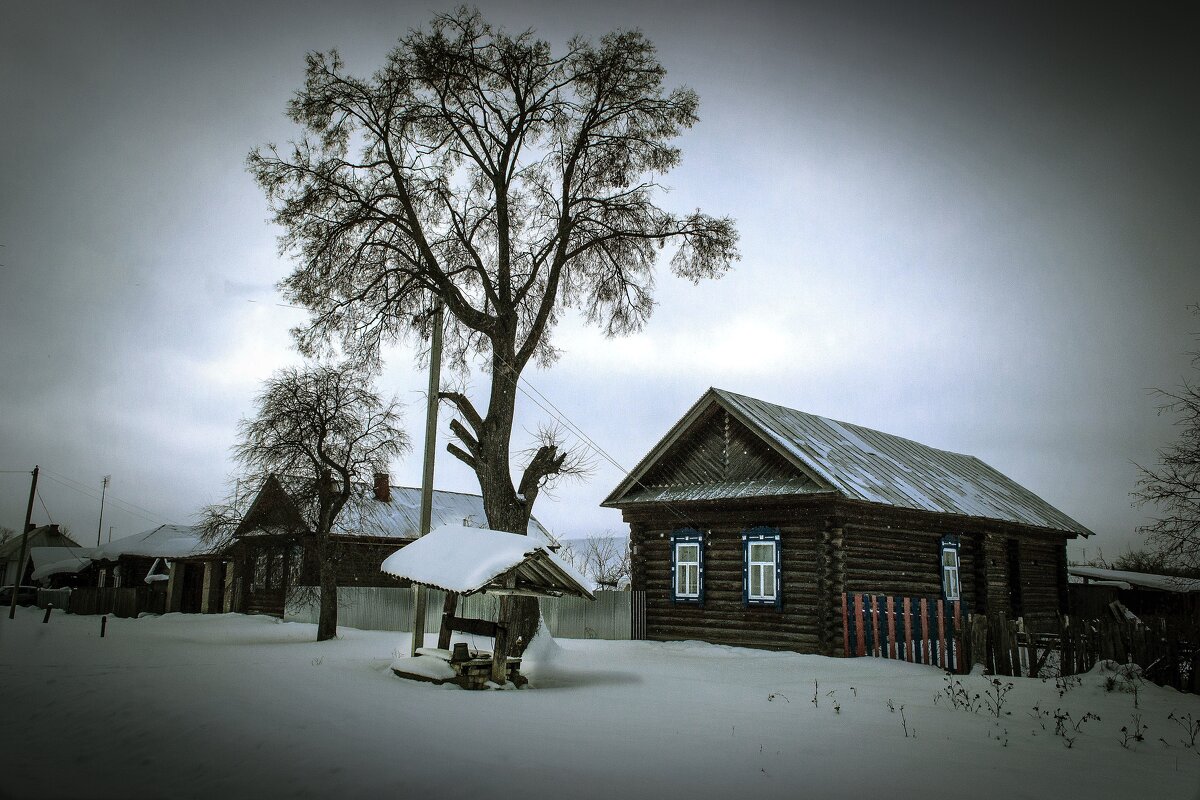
[[103, 491], [12, 606], [431, 410]]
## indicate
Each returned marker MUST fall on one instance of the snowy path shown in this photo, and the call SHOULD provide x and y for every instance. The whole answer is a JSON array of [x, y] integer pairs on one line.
[[231, 706]]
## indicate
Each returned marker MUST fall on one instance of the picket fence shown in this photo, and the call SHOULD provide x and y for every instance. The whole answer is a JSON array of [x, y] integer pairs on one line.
[[390, 609], [917, 629]]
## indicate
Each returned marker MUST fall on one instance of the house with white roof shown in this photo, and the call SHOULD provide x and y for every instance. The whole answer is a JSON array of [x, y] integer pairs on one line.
[[273, 550]]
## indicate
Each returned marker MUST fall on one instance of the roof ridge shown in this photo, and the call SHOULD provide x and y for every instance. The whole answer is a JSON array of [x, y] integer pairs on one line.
[[853, 425]]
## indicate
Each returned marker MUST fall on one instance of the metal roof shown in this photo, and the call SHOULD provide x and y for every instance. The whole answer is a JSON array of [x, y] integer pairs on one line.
[[874, 467], [399, 517], [1142, 580]]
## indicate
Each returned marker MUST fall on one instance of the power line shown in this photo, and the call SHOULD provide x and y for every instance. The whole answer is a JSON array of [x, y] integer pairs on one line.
[[158, 520], [43, 502], [582, 437], [80, 487]]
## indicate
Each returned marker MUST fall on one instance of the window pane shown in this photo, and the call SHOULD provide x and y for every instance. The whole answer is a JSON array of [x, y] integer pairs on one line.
[[762, 552], [756, 581], [950, 557], [688, 553]]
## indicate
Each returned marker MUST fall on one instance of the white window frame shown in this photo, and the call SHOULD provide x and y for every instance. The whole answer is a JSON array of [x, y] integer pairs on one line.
[[766, 570], [951, 575], [684, 567]]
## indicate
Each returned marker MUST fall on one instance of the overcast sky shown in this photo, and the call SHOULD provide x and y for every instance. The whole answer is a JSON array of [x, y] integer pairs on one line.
[[979, 232]]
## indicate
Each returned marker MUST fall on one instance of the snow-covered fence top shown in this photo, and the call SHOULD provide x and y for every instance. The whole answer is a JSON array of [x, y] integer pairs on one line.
[[465, 560]]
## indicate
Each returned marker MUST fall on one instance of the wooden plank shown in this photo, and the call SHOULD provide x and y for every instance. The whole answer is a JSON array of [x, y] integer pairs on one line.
[[924, 606], [845, 624], [1014, 648], [956, 656], [479, 627], [941, 632], [906, 606], [448, 607], [858, 615], [875, 626], [891, 627]]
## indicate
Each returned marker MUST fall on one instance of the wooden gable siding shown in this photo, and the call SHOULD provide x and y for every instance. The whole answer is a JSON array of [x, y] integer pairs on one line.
[[273, 507], [719, 449]]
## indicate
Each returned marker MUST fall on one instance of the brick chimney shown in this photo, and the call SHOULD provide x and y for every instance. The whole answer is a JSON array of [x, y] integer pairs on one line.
[[383, 490]]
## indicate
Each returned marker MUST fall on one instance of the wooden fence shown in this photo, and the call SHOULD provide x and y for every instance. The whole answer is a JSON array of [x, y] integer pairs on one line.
[[917, 629], [122, 602], [939, 633]]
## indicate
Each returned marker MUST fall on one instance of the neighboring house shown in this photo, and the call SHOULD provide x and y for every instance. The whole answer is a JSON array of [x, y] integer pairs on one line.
[[748, 521], [10, 552], [273, 549], [171, 558], [1092, 589]]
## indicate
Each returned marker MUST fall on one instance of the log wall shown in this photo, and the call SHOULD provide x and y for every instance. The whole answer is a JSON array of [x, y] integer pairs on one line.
[[723, 618], [830, 547]]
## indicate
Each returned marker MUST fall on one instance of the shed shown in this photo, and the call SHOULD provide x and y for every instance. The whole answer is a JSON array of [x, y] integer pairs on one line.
[[1146, 594], [749, 521], [192, 564]]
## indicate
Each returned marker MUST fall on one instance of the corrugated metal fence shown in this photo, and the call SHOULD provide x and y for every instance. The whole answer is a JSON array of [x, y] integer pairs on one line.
[[390, 609]]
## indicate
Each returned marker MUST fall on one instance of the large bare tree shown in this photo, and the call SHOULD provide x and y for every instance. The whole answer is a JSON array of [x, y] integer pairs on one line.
[[479, 170], [326, 433], [1173, 486]]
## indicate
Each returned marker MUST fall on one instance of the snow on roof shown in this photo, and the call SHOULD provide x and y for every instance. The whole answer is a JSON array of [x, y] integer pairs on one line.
[[1142, 580], [49, 561], [48, 536], [868, 465], [400, 516], [165, 541], [456, 558]]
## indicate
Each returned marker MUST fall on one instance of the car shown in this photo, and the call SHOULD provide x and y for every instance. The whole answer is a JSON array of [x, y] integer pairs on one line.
[[26, 595]]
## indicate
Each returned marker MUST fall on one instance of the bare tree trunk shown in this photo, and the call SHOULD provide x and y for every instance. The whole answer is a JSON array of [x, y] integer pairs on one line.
[[327, 619], [505, 510]]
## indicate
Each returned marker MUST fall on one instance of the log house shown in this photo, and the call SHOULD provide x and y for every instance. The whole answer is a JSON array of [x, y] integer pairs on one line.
[[749, 520]]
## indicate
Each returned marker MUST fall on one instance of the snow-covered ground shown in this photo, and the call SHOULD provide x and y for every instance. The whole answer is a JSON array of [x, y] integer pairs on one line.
[[231, 706]]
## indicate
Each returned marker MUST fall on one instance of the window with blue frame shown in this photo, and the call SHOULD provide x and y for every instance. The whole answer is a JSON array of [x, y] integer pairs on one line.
[[761, 568], [687, 566], [951, 578]]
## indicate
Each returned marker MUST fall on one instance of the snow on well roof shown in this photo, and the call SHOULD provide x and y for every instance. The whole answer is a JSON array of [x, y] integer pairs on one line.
[[465, 560], [874, 467], [1142, 580]]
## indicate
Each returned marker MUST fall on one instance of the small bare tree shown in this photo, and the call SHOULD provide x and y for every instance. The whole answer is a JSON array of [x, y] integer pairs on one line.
[[603, 558], [325, 430], [1174, 485]]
